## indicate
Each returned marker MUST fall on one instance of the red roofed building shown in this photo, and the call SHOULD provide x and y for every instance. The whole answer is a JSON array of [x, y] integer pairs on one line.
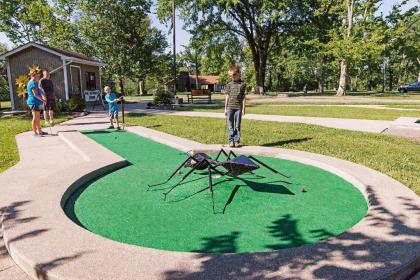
[[187, 82]]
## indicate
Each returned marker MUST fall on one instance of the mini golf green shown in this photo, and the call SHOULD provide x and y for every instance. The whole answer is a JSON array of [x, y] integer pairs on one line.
[[263, 211]]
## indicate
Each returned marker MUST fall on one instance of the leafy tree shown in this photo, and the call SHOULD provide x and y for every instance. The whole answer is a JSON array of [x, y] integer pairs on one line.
[[4, 87], [357, 38], [259, 23], [19, 19], [402, 46], [119, 32], [40, 21]]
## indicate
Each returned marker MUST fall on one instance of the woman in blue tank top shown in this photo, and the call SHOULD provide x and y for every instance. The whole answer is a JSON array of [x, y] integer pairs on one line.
[[35, 101]]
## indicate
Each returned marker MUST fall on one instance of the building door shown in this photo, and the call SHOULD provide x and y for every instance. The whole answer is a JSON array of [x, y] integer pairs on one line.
[[76, 82]]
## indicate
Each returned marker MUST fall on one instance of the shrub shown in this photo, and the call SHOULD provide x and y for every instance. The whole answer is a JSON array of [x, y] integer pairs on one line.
[[75, 104], [59, 106], [162, 97]]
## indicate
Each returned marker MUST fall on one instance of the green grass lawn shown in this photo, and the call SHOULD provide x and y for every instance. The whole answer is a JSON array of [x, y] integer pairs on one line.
[[395, 156], [315, 111], [9, 128]]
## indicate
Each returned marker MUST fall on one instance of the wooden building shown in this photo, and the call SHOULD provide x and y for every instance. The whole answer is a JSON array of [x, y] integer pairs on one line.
[[187, 82], [73, 74]]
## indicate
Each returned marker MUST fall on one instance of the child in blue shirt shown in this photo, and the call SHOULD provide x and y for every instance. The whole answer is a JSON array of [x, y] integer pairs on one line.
[[112, 100]]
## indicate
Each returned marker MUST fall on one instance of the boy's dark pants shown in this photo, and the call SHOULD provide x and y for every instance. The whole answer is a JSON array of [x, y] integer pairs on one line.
[[234, 117]]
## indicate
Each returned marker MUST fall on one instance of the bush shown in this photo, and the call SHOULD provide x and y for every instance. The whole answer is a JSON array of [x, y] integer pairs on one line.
[[162, 97], [74, 104], [59, 106]]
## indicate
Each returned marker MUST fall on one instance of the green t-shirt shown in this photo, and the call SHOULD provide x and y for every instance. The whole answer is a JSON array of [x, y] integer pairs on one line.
[[236, 91]]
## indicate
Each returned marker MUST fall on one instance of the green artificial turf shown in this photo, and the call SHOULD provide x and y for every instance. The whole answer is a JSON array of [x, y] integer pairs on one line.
[[262, 211]]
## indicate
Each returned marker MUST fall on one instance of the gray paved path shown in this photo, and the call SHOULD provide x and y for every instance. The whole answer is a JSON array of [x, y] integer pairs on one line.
[[381, 107], [334, 99]]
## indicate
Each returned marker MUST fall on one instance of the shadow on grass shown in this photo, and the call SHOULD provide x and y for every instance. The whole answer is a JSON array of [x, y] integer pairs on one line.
[[96, 132], [220, 244], [269, 187], [372, 256], [285, 142]]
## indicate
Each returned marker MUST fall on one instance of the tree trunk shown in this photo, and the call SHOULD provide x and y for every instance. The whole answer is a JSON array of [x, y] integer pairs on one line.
[[270, 80], [141, 87], [344, 63], [196, 69], [122, 86], [343, 79], [321, 84], [418, 60], [370, 83], [391, 77], [260, 62]]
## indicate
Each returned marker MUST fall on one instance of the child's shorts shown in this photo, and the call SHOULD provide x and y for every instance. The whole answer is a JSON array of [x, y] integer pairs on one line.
[[35, 108], [113, 114]]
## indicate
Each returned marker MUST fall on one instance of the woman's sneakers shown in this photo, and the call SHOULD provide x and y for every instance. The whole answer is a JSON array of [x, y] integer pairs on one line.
[[111, 127], [37, 135]]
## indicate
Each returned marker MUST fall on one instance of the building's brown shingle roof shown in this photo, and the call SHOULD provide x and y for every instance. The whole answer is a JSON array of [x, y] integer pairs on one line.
[[72, 54], [205, 80], [56, 51]]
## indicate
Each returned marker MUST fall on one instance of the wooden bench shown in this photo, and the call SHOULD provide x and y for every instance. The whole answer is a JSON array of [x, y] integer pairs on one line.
[[199, 94]]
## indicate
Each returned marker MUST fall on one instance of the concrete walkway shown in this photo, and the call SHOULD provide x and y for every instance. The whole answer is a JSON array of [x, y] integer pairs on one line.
[[335, 99], [380, 107], [384, 245], [60, 153]]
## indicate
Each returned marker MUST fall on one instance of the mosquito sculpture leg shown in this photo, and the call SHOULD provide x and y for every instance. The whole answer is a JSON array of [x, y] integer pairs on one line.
[[172, 175], [185, 176], [268, 167], [226, 154], [211, 188]]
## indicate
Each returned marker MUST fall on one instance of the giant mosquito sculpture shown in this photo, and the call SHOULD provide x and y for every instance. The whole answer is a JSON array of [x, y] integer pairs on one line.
[[234, 166]]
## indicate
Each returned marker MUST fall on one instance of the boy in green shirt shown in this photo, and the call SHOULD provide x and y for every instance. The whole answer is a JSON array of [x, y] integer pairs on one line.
[[235, 105]]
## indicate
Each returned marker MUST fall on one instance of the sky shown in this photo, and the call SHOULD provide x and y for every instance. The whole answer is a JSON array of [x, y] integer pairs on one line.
[[183, 36]]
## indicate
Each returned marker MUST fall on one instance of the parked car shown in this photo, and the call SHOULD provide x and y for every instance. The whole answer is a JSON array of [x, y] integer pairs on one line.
[[411, 87]]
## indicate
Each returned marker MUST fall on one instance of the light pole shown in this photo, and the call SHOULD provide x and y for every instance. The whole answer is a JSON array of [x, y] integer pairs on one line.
[[174, 45]]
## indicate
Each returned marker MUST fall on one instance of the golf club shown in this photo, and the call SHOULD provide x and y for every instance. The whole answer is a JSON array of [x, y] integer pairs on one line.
[[122, 112], [224, 135]]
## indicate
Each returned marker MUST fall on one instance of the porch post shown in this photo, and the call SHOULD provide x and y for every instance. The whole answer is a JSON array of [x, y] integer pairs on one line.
[[100, 79], [66, 82], [9, 78]]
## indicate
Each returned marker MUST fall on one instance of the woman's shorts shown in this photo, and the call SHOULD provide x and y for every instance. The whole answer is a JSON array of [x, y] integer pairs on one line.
[[50, 105], [113, 114], [35, 108]]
